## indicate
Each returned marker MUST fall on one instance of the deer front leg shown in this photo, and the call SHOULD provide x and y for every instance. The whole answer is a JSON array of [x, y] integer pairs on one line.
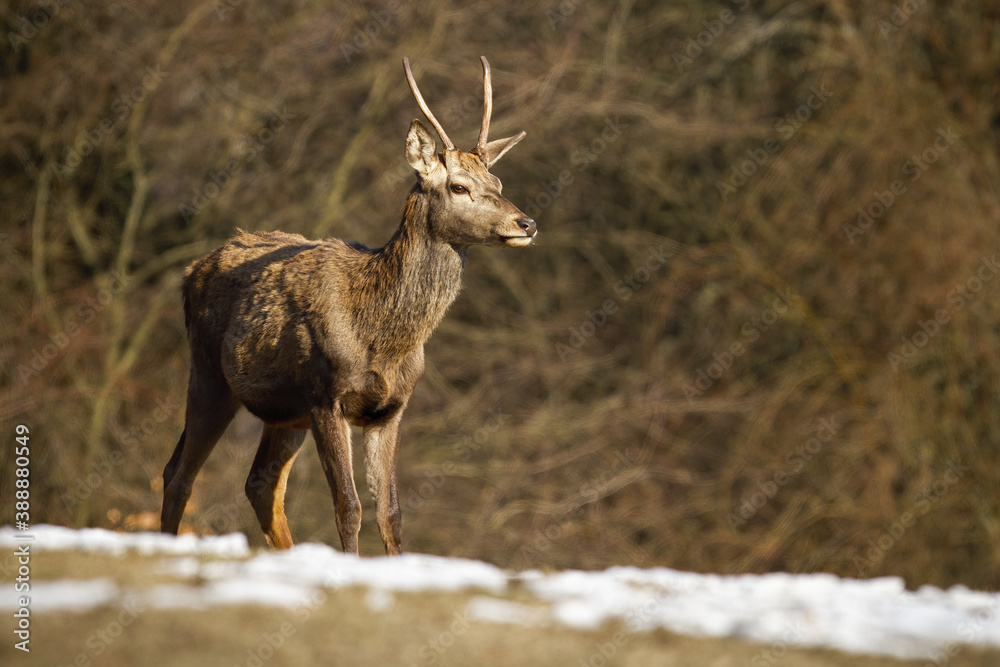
[[381, 448], [268, 480], [333, 443]]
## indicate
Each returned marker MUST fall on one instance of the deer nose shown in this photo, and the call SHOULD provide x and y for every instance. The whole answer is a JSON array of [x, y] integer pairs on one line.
[[528, 225]]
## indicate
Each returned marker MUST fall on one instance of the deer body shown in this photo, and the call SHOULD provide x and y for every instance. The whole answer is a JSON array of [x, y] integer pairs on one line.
[[326, 334]]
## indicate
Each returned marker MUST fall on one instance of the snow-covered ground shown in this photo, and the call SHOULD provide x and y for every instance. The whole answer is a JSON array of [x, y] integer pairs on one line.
[[875, 616]]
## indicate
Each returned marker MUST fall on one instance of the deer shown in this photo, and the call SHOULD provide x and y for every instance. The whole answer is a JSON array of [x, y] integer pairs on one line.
[[323, 335]]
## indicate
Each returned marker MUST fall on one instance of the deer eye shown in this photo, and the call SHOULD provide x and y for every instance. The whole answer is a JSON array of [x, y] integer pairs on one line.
[[459, 189]]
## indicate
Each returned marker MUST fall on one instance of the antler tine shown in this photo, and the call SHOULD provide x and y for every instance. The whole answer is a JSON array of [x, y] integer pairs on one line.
[[423, 106], [487, 106]]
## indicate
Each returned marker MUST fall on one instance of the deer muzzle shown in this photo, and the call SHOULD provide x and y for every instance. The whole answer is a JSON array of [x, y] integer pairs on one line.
[[526, 225]]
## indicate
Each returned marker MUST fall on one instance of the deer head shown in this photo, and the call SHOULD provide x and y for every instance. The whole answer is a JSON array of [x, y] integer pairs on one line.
[[465, 204]]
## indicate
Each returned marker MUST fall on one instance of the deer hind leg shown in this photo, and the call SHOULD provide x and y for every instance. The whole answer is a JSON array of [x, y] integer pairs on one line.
[[268, 480], [333, 443], [381, 447], [210, 408]]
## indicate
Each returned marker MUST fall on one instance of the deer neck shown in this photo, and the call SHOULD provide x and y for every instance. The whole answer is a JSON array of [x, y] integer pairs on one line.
[[409, 283]]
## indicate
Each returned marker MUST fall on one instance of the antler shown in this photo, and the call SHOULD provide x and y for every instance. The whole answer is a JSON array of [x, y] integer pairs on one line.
[[423, 106], [487, 107]]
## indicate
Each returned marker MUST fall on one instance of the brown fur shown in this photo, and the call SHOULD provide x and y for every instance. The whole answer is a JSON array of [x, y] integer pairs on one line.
[[325, 334]]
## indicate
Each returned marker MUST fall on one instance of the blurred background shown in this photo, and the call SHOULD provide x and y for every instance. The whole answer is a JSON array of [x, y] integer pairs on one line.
[[758, 331]]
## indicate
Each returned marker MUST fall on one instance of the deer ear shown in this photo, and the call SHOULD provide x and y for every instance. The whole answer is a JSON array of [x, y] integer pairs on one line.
[[496, 149], [421, 151]]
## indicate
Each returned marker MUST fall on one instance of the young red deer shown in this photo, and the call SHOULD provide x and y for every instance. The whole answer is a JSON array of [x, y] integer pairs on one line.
[[324, 334]]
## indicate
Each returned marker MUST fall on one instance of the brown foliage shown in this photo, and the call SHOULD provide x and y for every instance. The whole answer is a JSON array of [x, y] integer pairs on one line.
[[579, 407]]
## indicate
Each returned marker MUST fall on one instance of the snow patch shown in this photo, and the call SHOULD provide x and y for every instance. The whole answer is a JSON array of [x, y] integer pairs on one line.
[[876, 616], [99, 540], [65, 595]]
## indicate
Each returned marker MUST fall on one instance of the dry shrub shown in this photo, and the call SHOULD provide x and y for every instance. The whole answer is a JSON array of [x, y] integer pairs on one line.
[[705, 363]]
